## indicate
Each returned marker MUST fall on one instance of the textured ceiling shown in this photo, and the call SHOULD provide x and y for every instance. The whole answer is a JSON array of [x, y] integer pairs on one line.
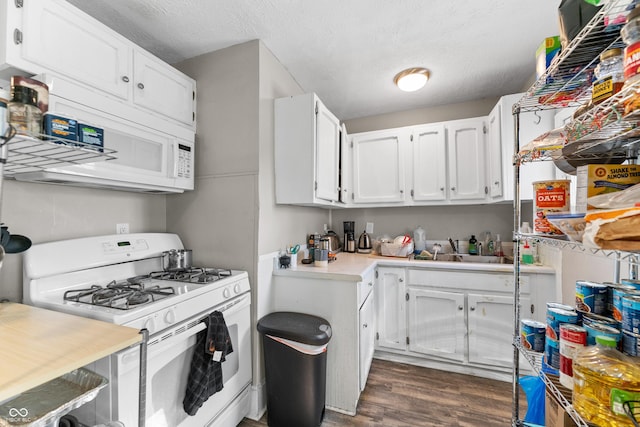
[[347, 51]]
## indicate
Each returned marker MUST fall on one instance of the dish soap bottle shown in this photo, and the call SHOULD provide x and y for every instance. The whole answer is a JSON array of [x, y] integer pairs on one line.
[[473, 245], [419, 242], [497, 251], [527, 254]]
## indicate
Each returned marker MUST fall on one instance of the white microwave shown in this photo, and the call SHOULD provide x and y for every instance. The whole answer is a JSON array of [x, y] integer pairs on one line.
[[147, 160]]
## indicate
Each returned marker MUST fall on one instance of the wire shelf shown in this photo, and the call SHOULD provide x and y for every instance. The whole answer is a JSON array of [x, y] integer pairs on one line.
[[567, 80], [31, 154]]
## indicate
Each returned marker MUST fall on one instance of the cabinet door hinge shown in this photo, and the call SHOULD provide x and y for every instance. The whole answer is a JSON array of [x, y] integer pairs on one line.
[[193, 94], [315, 185], [351, 144], [316, 108], [408, 341], [412, 192], [533, 308], [376, 274], [353, 196], [19, 3], [17, 36], [377, 336], [194, 116], [486, 190], [484, 129], [406, 296], [411, 137]]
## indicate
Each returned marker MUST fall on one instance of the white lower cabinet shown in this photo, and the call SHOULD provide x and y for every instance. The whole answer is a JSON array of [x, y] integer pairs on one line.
[[458, 316]]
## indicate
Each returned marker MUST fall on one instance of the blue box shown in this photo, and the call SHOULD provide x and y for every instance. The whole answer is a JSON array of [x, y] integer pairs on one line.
[[60, 127], [91, 135]]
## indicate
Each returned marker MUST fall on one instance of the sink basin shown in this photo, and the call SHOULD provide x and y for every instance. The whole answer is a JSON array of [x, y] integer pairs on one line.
[[487, 259]]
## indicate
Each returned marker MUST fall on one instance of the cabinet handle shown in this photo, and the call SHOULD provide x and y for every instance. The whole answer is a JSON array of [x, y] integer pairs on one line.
[[453, 188], [401, 191], [370, 283], [364, 325], [496, 183], [401, 280], [441, 188], [472, 308], [140, 86], [125, 79], [460, 307]]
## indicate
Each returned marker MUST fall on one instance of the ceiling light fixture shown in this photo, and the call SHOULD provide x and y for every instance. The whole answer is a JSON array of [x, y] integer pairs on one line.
[[411, 79]]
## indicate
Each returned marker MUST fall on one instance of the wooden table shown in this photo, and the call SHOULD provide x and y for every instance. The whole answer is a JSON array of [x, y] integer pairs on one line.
[[38, 345]]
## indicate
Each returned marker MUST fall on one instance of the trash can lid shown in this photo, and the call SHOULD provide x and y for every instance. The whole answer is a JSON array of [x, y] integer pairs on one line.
[[299, 327]]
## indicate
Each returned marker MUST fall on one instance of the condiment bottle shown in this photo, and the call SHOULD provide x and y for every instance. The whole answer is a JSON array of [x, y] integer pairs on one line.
[[473, 245], [631, 36], [609, 74], [24, 115]]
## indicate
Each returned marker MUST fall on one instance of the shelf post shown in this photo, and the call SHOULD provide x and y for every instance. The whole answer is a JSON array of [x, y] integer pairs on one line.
[[515, 409]]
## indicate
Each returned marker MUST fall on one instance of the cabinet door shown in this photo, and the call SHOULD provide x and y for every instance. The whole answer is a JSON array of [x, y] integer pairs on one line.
[[159, 87], [391, 314], [466, 149], [64, 40], [494, 162], [327, 153], [378, 170], [429, 163], [367, 338], [436, 323], [490, 320]]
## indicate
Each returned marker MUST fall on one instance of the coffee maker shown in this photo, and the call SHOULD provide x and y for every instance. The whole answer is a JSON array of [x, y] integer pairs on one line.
[[349, 236]]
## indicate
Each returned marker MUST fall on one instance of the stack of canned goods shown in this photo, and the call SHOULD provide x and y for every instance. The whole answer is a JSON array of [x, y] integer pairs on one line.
[[630, 314], [557, 314]]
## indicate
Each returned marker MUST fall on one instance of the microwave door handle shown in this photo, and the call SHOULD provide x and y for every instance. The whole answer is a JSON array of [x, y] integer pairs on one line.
[[174, 165]]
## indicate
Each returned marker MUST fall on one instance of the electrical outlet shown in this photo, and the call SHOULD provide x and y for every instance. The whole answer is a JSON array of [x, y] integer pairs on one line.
[[369, 228], [122, 228]]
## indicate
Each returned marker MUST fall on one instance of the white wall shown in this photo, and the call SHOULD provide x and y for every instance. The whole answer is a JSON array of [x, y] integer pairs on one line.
[[45, 212]]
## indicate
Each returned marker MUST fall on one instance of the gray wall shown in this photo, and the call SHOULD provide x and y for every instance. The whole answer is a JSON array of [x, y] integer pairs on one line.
[[45, 212]]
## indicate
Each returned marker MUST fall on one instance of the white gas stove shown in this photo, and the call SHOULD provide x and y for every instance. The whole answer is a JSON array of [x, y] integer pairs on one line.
[[120, 279]]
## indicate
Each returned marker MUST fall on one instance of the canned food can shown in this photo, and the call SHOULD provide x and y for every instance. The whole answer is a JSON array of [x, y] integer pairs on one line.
[[552, 353], [631, 313], [631, 282], [560, 306], [532, 334], [617, 293], [631, 343], [589, 318], [572, 338], [555, 317], [549, 196], [591, 297], [598, 329]]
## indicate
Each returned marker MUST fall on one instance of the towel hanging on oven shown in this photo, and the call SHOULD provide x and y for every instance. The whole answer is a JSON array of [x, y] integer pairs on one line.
[[205, 374]]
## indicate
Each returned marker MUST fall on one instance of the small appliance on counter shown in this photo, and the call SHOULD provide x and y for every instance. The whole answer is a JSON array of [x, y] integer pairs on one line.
[[349, 236], [364, 243]]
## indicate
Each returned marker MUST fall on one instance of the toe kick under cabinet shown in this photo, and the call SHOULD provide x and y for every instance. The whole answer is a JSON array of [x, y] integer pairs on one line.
[[460, 321], [347, 303]]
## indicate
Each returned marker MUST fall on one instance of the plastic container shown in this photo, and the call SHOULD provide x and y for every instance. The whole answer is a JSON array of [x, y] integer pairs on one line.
[[527, 253], [23, 113], [295, 361], [498, 251], [604, 379], [419, 240]]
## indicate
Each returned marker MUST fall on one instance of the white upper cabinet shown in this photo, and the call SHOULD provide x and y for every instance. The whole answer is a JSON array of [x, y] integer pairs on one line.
[[56, 39], [532, 125], [161, 88], [378, 166], [307, 151], [466, 151], [64, 40], [429, 163]]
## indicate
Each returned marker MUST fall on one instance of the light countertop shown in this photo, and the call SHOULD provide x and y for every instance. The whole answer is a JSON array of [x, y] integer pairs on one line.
[[38, 345], [352, 267]]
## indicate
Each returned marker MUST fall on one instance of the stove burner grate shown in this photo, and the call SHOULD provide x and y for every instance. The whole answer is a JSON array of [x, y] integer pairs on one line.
[[122, 296], [192, 275]]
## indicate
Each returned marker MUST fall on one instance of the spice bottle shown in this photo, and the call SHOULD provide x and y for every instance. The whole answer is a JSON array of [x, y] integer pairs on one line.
[[24, 114]]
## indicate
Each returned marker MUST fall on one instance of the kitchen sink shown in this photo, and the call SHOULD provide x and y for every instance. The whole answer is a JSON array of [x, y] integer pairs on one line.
[[486, 259]]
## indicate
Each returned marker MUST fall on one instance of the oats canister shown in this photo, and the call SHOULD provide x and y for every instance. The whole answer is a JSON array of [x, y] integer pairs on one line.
[[549, 196]]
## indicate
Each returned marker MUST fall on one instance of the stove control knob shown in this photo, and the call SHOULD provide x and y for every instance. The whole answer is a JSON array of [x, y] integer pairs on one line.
[[236, 288], [149, 325], [226, 293], [170, 316]]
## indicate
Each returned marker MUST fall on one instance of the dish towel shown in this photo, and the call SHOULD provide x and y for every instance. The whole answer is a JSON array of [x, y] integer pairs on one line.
[[205, 375]]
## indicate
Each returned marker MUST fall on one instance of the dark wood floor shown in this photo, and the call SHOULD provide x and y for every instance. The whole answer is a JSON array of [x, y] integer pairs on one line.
[[399, 395]]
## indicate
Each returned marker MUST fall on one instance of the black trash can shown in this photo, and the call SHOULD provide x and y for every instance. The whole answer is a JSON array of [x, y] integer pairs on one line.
[[295, 360]]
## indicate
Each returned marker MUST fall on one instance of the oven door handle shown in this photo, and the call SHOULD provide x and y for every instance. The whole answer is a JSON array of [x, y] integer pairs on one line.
[[155, 346]]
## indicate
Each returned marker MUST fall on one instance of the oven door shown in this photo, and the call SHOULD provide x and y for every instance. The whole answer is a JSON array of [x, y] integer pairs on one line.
[[169, 360]]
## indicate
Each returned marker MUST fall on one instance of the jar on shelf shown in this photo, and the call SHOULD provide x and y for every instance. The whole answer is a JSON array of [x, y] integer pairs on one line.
[[609, 75], [24, 114], [631, 36]]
